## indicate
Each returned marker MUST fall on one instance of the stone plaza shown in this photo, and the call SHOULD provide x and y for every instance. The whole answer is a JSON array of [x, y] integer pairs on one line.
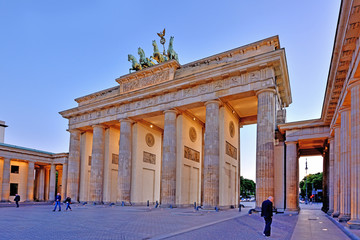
[[116, 222]]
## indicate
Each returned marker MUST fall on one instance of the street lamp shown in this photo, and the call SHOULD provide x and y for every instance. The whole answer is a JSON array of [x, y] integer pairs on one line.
[[306, 193]]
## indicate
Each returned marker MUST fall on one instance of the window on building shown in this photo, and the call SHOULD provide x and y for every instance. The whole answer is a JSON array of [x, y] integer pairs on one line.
[[14, 169], [13, 189]]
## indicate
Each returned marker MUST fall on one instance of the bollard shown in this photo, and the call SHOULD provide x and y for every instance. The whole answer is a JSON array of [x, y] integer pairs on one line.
[[147, 204], [194, 205]]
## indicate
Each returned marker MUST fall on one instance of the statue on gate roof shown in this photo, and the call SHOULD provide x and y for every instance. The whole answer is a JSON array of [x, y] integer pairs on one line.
[[159, 57]]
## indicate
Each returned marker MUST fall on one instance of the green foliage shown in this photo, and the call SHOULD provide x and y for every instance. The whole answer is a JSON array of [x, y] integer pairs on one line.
[[313, 180], [247, 187]]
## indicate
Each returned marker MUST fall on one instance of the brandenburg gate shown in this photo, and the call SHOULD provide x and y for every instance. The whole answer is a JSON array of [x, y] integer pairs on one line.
[[171, 132]]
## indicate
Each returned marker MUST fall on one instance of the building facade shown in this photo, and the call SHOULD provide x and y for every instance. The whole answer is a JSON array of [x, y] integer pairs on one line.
[[170, 132], [336, 135]]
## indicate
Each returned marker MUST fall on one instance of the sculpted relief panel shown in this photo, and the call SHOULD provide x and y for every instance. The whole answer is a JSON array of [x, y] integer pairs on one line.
[[146, 81], [178, 95]]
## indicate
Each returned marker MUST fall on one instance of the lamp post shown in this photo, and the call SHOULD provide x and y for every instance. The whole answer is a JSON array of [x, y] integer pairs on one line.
[[306, 193]]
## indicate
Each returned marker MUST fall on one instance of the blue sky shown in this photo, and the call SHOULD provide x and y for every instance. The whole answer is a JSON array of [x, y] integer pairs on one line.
[[52, 52]]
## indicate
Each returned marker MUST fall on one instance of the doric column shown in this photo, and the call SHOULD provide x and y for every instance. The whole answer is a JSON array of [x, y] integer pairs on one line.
[[64, 180], [74, 165], [292, 203], [355, 154], [211, 155], [30, 182], [265, 145], [124, 167], [168, 168], [331, 176], [41, 186], [6, 181], [52, 183], [97, 163], [336, 170], [345, 158]]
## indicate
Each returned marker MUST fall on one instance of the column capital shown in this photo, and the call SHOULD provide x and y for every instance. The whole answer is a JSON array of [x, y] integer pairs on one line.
[[213, 101], [266, 90], [353, 82], [171, 110], [126, 120], [75, 130], [98, 126], [344, 109]]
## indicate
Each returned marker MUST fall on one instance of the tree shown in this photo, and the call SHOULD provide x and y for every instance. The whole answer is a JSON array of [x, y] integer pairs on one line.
[[247, 187], [313, 180]]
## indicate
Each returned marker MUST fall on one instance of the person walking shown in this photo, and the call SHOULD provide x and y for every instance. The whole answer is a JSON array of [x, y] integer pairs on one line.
[[68, 202], [267, 213], [17, 200], [57, 202]]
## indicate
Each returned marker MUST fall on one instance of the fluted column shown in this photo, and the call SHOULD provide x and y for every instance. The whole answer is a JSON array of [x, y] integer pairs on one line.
[[52, 183], [124, 167], [336, 170], [97, 164], [355, 155], [30, 182], [265, 145], [292, 181], [211, 155], [331, 176], [41, 183], [6, 181], [74, 165], [345, 158], [64, 180], [168, 168]]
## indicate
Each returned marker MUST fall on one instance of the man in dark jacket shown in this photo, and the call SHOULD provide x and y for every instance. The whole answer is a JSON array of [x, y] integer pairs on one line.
[[267, 213], [57, 202], [17, 199]]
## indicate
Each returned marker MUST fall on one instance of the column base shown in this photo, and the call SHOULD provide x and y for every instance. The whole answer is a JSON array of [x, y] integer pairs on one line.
[[124, 203], [354, 224], [335, 214], [344, 217], [292, 211], [330, 212], [168, 205], [96, 203]]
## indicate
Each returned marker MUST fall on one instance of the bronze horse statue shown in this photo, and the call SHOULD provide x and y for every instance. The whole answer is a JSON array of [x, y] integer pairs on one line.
[[157, 55], [144, 61], [135, 65], [171, 52]]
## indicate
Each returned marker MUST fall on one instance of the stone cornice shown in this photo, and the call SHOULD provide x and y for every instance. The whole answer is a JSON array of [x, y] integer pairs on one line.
[[343, 58], [301, 125]]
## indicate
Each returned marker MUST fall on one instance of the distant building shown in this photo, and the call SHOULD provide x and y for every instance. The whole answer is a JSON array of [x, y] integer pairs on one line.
[[30, 172]]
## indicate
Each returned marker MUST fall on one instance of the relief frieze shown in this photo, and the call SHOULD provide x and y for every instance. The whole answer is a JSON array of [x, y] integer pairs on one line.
[[231, 150], [145, 81], [149, 158], [191, 154]]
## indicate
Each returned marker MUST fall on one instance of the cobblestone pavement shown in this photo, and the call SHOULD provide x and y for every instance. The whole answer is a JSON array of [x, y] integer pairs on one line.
[[116, 222]]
